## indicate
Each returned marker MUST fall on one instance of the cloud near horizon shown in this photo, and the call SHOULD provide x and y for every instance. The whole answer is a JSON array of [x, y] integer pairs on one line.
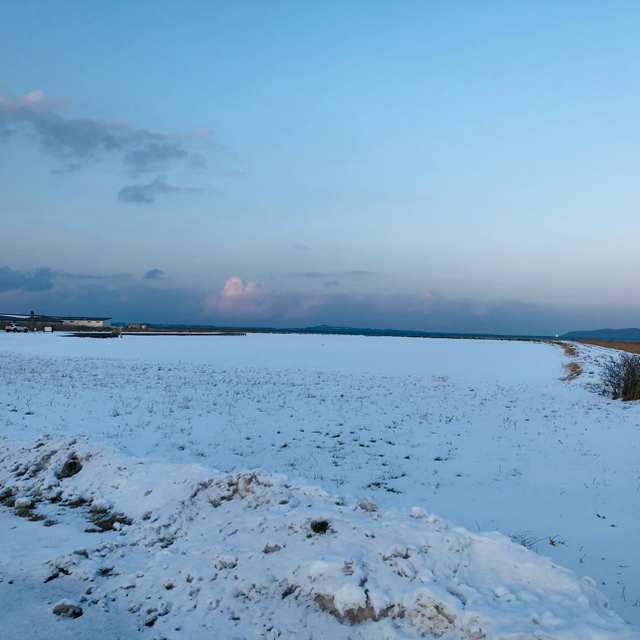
[[45, 279], [252, 304], [15, 281], [238, 298]]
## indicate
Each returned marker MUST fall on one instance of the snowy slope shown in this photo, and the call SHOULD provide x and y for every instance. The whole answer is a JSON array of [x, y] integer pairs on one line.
[[186, 554], [483, 433]]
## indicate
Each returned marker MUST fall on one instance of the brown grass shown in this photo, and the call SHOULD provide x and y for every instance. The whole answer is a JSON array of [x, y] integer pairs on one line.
[[630, 347], [569, 350], [573, 370]]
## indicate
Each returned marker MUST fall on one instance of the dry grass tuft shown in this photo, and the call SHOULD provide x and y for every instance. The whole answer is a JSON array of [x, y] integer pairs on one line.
[[105, 521], [569, 350], [573, 370]]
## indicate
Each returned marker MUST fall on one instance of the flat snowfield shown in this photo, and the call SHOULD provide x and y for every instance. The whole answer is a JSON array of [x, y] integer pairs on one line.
[[300, 486]]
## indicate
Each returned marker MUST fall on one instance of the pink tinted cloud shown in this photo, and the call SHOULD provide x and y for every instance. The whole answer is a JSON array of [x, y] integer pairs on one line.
[[238, 298], [235, 287]]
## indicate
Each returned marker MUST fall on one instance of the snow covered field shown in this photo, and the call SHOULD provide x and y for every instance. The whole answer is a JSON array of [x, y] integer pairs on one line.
[[484, 434]]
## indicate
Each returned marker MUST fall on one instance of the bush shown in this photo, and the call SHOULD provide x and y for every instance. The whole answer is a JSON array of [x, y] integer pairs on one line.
[[621, 378]]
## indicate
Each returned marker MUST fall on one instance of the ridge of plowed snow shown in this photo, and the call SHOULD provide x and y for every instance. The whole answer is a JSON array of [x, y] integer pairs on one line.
[[251, 555]]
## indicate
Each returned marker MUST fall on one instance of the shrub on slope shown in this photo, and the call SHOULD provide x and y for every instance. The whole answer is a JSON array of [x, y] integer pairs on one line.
[[621, 377]]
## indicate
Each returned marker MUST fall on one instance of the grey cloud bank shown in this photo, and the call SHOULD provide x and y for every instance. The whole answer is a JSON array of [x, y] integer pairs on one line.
[[15, 281], [253, 305]]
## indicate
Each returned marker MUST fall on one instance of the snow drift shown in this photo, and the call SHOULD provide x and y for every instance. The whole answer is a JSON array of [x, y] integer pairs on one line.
[[184, 553]]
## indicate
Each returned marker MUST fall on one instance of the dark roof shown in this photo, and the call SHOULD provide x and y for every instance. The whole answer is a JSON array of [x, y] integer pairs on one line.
[[22, 317]]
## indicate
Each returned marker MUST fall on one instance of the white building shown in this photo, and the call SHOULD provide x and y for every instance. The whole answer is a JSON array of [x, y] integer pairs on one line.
[[86, 322], [58, 321]]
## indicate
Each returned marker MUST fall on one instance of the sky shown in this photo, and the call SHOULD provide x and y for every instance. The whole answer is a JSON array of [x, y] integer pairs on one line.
[[428, 165]]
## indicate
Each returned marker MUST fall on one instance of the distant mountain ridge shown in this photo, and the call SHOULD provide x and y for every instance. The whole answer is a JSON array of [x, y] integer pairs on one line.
[[352, 331], [625, 335]]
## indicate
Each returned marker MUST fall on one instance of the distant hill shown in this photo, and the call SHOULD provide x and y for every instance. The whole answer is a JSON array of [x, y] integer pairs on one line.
[[352, 331], [628, 335]]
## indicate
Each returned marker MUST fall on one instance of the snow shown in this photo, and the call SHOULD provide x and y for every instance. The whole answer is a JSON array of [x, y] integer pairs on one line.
[[189, 556], [358, 441]]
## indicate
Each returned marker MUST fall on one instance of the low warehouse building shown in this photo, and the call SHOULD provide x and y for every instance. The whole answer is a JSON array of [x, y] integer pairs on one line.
[[86, 322], [56, 321]]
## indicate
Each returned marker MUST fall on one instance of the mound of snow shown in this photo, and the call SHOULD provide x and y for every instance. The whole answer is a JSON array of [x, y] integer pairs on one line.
[[249, 555]]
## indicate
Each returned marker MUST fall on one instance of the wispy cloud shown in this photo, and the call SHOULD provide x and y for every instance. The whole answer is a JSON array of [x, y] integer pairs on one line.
[[231, 173], [153, 156], [154, 274], [146, 193], [79, 141], [325, 274], [76, 276], [69, 167]]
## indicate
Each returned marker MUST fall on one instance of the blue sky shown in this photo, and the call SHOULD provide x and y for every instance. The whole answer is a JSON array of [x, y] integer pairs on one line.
[[446, 166]]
